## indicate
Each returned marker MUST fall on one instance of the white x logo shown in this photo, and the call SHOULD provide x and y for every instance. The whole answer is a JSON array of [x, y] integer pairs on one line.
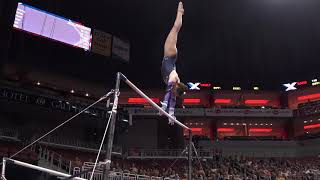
[[193, 86], [290, 86]]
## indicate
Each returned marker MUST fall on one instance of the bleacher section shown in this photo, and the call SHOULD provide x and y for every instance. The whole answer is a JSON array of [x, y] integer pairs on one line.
[[309, 108]]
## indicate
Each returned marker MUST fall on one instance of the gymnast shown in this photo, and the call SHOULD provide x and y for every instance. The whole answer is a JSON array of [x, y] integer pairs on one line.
[[170, 76]]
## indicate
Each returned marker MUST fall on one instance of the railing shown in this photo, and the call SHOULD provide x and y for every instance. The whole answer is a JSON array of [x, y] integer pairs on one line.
[[9, 133], [71, 142], [98, 175], [166, 153], [62, 140], [55, 160], [77, 144], [309, 108]]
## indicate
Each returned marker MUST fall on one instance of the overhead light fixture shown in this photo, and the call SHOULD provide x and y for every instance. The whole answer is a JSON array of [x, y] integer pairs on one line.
[[236, 88], [196, 129], [256, 101], [87, 94], [142, 100], [260, 130], [312, 126], [222, 101], [191, 101], [38, 83], [225, 129], [309, 97], [72, 91]]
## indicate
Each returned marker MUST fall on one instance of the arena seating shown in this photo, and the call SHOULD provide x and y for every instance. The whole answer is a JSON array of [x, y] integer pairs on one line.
[[219, 167], [9, 148], [309, 108], [60, 139]]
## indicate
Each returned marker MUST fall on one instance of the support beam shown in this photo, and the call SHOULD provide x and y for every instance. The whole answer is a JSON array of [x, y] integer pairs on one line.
[[112, 127], [190, 155]]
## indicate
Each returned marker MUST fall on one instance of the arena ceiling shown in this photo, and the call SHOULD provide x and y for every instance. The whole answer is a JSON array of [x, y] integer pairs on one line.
[[268, 42]]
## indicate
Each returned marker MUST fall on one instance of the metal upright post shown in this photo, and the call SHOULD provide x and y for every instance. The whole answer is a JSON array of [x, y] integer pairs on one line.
[[112, 127], [190, 156], [3, 172]]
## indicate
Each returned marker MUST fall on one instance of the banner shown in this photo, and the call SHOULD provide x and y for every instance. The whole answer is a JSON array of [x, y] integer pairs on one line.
[[249, 112], [49, 102], [120, 49], [201, 112], [189, 112], [101, 43], [154, 112]]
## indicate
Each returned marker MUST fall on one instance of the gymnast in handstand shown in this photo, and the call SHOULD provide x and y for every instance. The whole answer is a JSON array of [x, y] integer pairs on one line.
[[168, 69]]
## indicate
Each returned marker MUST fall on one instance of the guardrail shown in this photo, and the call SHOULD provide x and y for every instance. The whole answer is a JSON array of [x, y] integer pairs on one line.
[[166, 153], [98, 175]]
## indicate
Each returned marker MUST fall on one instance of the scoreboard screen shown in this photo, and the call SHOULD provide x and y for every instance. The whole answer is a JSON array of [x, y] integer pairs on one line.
[[51, 26]]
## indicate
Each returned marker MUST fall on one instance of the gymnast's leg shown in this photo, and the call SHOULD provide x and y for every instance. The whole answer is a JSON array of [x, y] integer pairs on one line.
[[168, 64], [170, 46]]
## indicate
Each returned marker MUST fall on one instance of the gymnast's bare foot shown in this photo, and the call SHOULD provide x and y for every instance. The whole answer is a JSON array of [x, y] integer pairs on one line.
[[180, 12], [180, 8]]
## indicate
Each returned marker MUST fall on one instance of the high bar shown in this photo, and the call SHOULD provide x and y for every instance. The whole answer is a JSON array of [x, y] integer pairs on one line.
[[135, 88]]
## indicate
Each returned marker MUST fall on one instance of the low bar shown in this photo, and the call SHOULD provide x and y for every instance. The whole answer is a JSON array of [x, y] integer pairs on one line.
[[135, 88], [49, 171]]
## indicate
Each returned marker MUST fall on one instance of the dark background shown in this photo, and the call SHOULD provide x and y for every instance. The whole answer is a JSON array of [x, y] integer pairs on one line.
[[234, 42]]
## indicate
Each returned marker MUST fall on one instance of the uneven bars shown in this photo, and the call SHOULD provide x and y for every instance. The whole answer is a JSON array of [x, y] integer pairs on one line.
[[135, 88], [55, 173], [3, 172]]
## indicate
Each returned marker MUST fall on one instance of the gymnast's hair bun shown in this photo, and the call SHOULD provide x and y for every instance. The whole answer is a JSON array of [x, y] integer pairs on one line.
[[180, 89]]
